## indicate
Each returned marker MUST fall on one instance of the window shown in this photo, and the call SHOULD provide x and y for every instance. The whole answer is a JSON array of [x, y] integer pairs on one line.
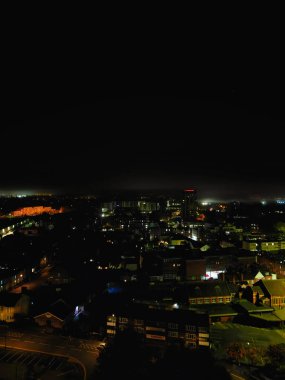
[[123, 320], [203, 329], [139, 330], [200, 300], [190, 328], [192, 300], [173, 326], [206, 300], [138, 322], [173, 334], [190, 336], [220, 299]]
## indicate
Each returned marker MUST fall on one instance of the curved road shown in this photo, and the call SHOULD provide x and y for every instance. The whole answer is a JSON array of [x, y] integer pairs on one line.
[[85, 352]]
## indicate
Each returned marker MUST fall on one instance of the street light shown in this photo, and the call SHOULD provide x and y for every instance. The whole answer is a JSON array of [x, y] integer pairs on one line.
[[4, 328]]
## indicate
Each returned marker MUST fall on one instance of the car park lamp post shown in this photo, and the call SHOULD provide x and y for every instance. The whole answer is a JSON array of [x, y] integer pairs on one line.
[[4, 328]]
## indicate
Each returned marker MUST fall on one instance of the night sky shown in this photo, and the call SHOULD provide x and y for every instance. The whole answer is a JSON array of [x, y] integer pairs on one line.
[[72, 127], [224, 148], [87, 110]]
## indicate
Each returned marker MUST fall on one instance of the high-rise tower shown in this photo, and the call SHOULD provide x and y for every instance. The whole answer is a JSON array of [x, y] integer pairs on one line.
[[189, 206]]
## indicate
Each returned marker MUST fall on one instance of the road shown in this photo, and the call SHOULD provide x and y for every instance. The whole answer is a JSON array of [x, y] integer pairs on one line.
[[37, 282], [237, 372], [85, 352]]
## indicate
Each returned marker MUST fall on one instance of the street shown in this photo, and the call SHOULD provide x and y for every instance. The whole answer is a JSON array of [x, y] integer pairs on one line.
[[84, 352], [34, 284]]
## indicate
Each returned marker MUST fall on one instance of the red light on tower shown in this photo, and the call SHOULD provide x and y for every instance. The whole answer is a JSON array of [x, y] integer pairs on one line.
[[189, 190]]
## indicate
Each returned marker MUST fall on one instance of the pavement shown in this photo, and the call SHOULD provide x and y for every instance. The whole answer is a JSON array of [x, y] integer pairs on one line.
[[27, 364], [84, 352]]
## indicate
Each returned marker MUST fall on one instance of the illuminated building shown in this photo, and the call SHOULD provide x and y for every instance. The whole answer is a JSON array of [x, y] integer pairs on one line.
[[189, 206], [274, 292], [162, 326], [266, 246], [37, 210], [173, 205], [13, 304]]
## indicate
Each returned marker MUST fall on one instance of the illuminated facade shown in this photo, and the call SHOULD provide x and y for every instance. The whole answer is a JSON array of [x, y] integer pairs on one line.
[[274, 291], [13, 304], [37, 210], [161, 326]]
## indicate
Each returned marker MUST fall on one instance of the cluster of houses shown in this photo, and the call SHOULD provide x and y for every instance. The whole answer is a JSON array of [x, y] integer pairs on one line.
[[260, 304], [184, 316]]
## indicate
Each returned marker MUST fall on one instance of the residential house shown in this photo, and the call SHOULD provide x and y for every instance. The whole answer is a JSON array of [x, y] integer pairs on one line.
[[274, 291], [210, 292], [55, 315], [13, 305]]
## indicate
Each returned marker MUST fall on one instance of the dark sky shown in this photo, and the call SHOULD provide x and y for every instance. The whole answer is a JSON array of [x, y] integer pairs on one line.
[[223, 145], [68, 124]]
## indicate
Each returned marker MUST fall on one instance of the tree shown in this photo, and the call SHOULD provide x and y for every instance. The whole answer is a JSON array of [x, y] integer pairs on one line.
[[185, 363], [280, 227], [124, 357], [128, 357], [276, 354], [235, 352]]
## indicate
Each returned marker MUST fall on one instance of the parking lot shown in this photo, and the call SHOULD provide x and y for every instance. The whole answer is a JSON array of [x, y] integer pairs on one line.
[[17, 364]]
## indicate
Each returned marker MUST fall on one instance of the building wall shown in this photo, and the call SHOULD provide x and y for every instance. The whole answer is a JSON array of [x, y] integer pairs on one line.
[[195, 269], [270, 246], [208, 300], [277, 302], [23, 305], [7, 314], [190, 333]]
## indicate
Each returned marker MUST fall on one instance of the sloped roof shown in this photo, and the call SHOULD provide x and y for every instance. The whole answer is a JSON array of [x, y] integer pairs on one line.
[[259, 275], [245, 305], [275, 287], [215, 309], [210, 289], [59, 309], [269, 317], [280, 314]]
